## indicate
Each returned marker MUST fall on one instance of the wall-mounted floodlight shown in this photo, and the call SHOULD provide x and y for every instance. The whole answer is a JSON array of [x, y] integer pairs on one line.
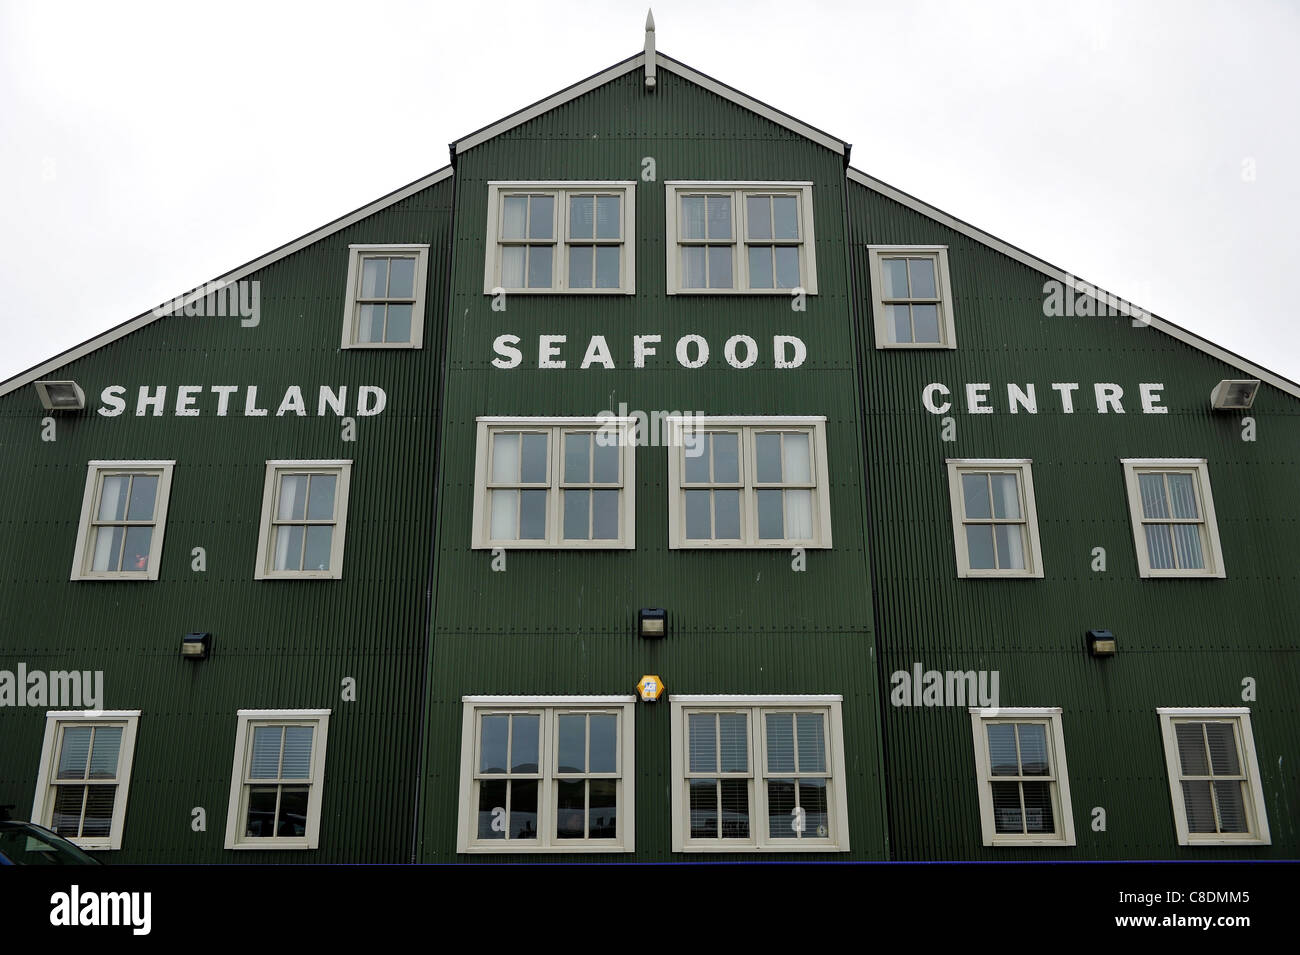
[[652, 622], [61, 395], [1234, 394], [195, 646], [1102, 643]]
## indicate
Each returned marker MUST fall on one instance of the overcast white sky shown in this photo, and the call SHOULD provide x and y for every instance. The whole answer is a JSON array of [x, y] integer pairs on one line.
[[1151, 146]]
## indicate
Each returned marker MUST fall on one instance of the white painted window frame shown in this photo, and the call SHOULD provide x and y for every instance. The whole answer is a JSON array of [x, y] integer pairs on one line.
[[237, 806], [550, 708], [802, 190], [682, 428], [343, 470], [943, 280], [561, 190], [1034, 550], [1200, 468], [357, 253], [43, 803], [1245, 737], [757, 705], [486, 425], [980, 718], [95, 472]]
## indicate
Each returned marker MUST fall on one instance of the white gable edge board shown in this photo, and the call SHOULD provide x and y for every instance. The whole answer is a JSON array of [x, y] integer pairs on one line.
[[1052, 271], [32, 374]]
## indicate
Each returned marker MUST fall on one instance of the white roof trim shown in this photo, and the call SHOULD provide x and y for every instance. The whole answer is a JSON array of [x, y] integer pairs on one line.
[[140, 321], [664, 63], [1020, 255]]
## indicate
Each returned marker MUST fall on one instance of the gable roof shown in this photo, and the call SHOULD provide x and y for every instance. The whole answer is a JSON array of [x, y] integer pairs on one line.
[[1072, 281]]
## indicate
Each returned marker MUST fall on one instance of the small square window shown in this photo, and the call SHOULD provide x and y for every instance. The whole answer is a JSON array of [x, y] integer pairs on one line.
[[277, 778], [554, 483], [385, 298], [123, 516], [748, 482], [304, 518], [1024, 785], [84, 776], [547, 774], [994, 518], [758, 773], [750, 237], [1174, 527], [572, 237], [911, 297], [1213, 776]]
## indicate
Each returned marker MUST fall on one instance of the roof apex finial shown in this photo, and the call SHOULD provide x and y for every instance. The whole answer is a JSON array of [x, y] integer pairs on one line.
[[650, 50], [650, 21]]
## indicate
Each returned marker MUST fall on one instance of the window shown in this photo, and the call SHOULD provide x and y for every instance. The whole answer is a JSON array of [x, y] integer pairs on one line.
[[385, 300], [304, 516], [547, 773], [994, 520], [1024, 786], [574, 237], [85, 774], [758, 772], [554, 483], [123, 515], [749, 482], [740, 237], [1174, 528], [276, 782], [911, 296], [1213, 776]]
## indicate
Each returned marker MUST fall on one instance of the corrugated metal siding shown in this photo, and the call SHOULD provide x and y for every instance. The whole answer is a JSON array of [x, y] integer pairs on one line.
[[560, 622], [1182, 642], [277, 644]]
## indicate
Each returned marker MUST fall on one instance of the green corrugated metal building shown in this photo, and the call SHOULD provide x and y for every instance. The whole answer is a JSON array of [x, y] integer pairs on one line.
[[649, 484]]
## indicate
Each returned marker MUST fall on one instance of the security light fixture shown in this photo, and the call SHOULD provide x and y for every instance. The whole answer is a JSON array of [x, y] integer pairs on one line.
[[1234, 394], [652, 622], [1102, 643], [195, 646], [61, 395]]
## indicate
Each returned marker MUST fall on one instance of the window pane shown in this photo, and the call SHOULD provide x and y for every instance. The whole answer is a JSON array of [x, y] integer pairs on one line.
[[602, 754], [66, 818], [1011, 546], [493, 737], [979, 547], [505, 458], [719, 217], [925, 319], [523, 809], [693, 267], [1187, 538], [1160, 548], [293, 812], [319, 543], [785, 217], [812, 743], [75, 753], [781, 818], [720, 266], [1191, 749], [398, 328], [320, 499], [1002, 749], [514, 214], [1199, 806], [525, 738], [293, 497], [1006, 496], [1152, 488], [726, 458], [701, 730], [735, 809], [812, 797], [533, 469], [401, 278], [1232, 808], [771, 523], [607, 266], [900, 320], [491, 803], [733, 735], [780, 742], [541, 217], [143, 489], [103, 756], [787, 266], [297, 752], [605, 459], [608, 220], [539, 266], [1039, 814], [288, 547], [1182, 495], [922, 276], [374, 277], [604, 515], [893, 273], [261, 811], [577, 458], [975, 494], [532, 515], [112, 497], [581, 258], [513, 258], [726, 515], [135, 548], [1222, 740], [370, 323], [703, 794], [758, 213], [582, 217], [576, 514], [505, 515], [1006, 807], [798, 515], [265, 760], [602, 816], [698, 525], [98, 821], [767, 450], [570, 809], [572, 744], [108, 548], [795, 457], [1033, 749], [692, 222], [695, 459]]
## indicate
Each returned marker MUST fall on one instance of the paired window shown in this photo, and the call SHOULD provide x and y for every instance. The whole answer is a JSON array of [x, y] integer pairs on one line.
[[1174, 527], [554, 483], [758, 772], [1024, 786], [123, 515], [1213, 776], [385, 300], [275, 785], [543, 774], [304, 516], [748, 482], [84, 776], [561, 237], [911, 296], [740, 237], [994, 519]]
